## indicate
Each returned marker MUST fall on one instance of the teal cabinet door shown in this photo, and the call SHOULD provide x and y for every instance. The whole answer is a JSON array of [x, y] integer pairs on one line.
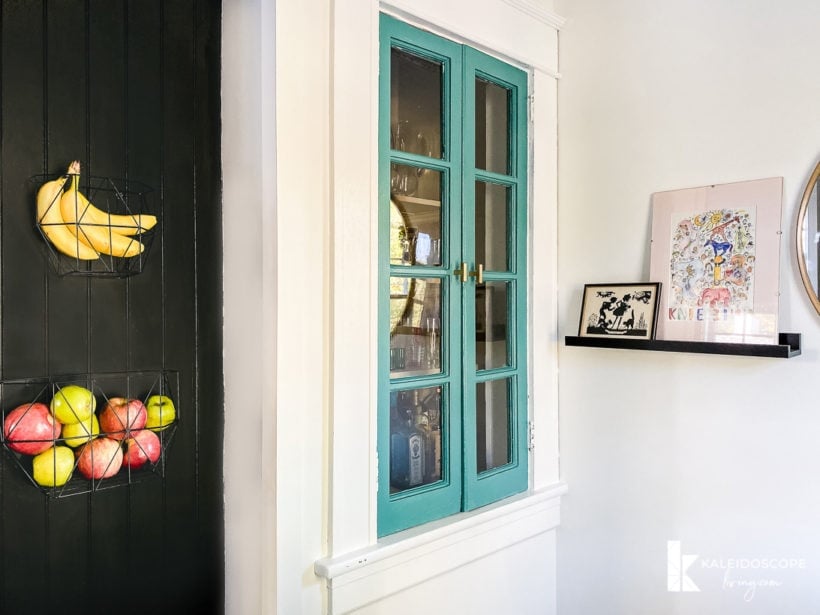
[[452, 281], [494, 180]]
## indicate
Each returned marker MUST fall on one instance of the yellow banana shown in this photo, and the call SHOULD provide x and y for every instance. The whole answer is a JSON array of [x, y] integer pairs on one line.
[[54, 227], [102, 238], [87, 213], [122, 224]]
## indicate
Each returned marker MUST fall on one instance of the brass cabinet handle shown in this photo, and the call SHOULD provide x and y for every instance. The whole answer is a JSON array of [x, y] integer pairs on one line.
[[461, 272], [478, 274]]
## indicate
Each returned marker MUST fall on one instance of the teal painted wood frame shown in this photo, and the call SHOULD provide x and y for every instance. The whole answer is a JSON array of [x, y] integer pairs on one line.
[[415, 506], [461, 487], [481, 488]]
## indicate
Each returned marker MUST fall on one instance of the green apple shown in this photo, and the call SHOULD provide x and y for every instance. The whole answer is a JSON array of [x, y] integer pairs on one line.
[[53, 467], [161, 412], [73, 404], [76, 434]]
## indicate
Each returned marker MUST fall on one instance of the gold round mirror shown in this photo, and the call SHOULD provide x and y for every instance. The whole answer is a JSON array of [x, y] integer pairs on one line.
[[807, 239]]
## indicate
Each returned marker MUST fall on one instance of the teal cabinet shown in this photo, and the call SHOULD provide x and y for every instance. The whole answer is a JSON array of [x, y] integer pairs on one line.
[[452, 278]]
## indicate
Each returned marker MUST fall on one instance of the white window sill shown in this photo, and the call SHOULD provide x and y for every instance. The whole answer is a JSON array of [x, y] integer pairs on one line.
[[408, 558]]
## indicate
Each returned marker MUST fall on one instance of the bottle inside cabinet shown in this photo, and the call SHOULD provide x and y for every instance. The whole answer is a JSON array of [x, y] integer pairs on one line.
[[415, 438]]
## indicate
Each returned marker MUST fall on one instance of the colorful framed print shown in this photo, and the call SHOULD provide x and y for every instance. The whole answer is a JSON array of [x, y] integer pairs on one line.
[[716, 250], [619, 310]]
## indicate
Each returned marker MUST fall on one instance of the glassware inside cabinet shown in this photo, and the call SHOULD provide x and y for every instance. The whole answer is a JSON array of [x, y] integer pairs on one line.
[[415, 93], [415, 319], [415, 221], [415, 438]]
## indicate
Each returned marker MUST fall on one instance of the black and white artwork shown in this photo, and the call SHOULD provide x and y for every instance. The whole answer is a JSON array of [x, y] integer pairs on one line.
[[612, 310]]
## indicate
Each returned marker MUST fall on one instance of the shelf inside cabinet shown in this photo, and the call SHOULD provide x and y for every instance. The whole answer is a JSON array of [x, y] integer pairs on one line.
[[414, 204], [788, 346]]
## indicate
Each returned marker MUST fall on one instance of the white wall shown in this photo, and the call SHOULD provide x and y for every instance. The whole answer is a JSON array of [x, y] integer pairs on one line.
[[497, 584], [717, 452]]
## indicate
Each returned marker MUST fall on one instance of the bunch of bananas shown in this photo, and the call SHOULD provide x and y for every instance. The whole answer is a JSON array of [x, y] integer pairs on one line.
[[79, 229]]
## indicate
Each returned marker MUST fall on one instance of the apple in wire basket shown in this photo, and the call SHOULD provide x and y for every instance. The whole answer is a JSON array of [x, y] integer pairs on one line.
[[121, 417], [142, 447], [100, 458], [30, 429]]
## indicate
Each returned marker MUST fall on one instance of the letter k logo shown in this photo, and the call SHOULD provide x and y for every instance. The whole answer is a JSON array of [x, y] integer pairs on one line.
[[676, 566]]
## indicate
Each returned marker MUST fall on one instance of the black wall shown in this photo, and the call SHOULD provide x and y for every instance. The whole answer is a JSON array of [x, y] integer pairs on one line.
[[131, 88]]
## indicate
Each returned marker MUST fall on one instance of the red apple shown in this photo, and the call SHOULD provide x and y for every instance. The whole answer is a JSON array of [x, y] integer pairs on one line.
[[122, 416], [141, 447], [30, 429], [100, 458]]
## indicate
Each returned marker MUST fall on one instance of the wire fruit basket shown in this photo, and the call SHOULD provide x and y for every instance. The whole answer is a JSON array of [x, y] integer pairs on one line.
[[94, 226], [125, 423]]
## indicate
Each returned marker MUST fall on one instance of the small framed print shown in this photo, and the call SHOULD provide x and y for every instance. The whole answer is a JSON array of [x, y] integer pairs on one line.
[[620, 310]]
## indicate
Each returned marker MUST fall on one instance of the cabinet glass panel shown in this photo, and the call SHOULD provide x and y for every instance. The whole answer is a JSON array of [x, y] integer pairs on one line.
[[415, 104], [415, 326], [415, 217], [491, 127], [491, 324], [415, 438], [491, 215], [492, 424]]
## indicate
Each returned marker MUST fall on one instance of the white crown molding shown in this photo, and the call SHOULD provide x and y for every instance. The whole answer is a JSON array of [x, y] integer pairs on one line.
[[408, 11], [534, 9]]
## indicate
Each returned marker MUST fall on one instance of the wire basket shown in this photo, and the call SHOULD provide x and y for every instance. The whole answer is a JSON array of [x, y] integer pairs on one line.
[[115, 446], [124, 202]]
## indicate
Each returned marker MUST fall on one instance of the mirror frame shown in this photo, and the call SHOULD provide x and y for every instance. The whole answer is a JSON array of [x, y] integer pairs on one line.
[[408, 298], [801, 220]]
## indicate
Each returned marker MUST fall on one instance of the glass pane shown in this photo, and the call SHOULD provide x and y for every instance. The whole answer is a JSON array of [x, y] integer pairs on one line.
[[411, 181], [415, 104], [415, 326], [492, 424], [415, 438], [491, 215], [491, 347], [415, 221], [491, 127]]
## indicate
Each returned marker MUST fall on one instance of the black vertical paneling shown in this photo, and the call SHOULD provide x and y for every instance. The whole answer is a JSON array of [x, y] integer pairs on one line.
[[109, 316], [208, 189], [25, 523], [179, 219], [145, 304], [106, 120], [67, 328], [131, 88], [23, 156]]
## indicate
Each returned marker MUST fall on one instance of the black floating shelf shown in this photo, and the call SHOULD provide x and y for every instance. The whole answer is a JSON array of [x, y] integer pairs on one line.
[[788, 346]]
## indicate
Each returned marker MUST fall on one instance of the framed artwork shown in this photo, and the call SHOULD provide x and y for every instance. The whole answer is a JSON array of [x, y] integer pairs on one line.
[[716, 250], [619, 310]]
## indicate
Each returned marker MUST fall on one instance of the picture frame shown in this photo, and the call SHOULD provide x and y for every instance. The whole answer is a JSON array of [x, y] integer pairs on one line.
[[620, 310], [716, 250]]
